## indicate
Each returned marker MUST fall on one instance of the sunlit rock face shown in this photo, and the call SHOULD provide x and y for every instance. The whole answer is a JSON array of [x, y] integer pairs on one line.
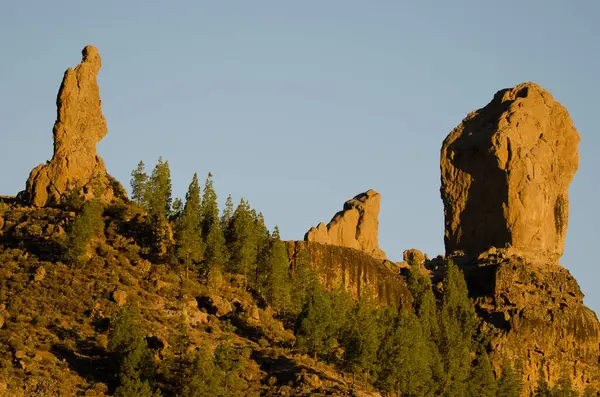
[[356, 226], [75, 167], [506, 171]]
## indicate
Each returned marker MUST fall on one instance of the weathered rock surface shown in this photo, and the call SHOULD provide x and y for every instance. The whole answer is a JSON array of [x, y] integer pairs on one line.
[[352, 269], [356, 226], [506, 170], [534, 314], [75, 166]]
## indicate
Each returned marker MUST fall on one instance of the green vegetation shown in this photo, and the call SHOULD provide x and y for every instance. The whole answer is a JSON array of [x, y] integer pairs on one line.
[[223, 312], [87, 225]]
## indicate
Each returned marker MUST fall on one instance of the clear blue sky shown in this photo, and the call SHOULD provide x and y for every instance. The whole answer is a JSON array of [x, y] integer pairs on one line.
[[298, 106]]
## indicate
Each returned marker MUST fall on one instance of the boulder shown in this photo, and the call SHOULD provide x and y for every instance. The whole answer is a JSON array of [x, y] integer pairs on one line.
[[75, 167], [40, 274], [506, 170], [214, 304], [120, 297], [413, 256], [356, 226]]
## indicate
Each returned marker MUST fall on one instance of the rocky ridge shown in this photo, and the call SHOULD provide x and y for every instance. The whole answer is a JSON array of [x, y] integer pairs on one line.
[[356, 226], [75, 167]]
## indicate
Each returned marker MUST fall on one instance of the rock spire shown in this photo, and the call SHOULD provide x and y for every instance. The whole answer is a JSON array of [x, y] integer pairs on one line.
[[356, 226], [75, 167], [506, 170]]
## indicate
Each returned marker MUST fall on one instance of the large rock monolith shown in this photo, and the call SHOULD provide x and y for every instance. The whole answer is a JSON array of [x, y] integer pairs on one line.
[[75, 167], [506, 170]]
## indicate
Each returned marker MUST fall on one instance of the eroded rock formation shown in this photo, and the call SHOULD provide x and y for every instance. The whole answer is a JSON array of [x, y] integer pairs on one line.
[[506, 170], [356, 226], [534, 316], [75, 167]]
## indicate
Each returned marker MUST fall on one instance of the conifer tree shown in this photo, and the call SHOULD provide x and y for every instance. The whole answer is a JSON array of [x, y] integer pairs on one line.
[[206, 379], [403, 361], [482, 382], [509, 384], [242, 241], [227, 214], [425, 306], [458, 322], [361, 335], [135, 360], [139, 178], [209, 208], [277, 286], [303, 281], [190, 247], [87, 224], [542, 389], [216, 254], [315, 327], [158, 192]]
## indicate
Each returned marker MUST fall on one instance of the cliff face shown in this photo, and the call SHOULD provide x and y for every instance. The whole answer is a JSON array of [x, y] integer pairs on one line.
[[355, 270], [506, 170], [534, 315]]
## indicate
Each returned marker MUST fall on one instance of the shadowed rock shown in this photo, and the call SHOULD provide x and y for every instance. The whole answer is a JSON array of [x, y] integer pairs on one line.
[[356, 226], [75, 167], [506, 170]]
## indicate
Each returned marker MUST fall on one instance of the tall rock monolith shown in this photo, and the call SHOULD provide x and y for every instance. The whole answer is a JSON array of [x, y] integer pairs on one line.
[[75, 167], [506, 171]]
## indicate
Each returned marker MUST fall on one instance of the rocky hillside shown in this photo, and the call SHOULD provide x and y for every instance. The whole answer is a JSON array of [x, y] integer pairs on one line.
[[103, 295]]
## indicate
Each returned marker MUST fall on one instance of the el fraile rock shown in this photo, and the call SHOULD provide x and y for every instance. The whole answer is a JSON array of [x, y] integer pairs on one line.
[[75, 167], [356, 226], [505, 171]]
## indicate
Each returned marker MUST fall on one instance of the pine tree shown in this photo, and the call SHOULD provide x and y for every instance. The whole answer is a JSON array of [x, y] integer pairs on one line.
[[459, 323], [509, 384], [190, 247], [87, 224], [425, 306], [361, 335], [403, 361], [206, 379], [482, 382], [227, 214], [315, 327], [277, 286], [136, 365], [243, 242], [216, 254], [139, 178], [303, 281], [158, 192], [209, 209]]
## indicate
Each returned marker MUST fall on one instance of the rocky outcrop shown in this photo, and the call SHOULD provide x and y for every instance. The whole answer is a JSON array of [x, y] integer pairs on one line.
[[356, 226], [354, 270], [75, 167], [506, 170], [534, 315]]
